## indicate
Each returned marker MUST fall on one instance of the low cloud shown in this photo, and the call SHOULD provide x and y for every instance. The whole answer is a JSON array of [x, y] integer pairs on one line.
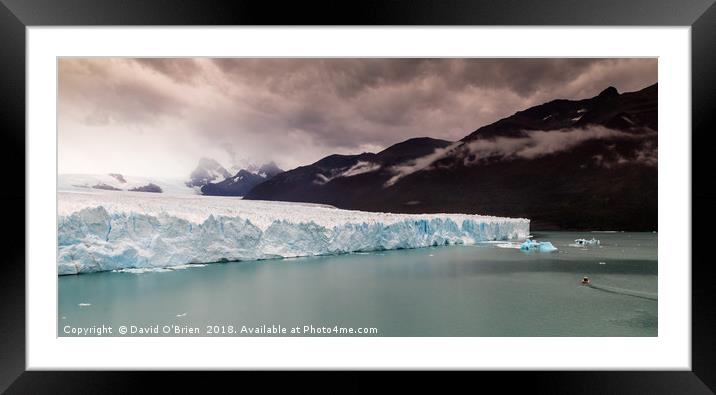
[[361, 167], [534, 145], [423, 163], [646, 154]]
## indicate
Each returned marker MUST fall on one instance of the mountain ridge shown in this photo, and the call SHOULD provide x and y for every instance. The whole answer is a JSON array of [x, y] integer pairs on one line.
[[242, 182], [565, 164]]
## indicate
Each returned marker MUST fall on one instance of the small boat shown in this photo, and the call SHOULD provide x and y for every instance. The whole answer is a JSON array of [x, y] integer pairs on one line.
[[541, 246], [585, 242], [586, 281]]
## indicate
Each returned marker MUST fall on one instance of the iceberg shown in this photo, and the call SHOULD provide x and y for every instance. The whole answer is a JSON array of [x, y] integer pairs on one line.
[[119, 230], [541, 246]]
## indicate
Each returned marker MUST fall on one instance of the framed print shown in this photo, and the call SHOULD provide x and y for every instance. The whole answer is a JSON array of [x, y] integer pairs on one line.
[[456, 188]]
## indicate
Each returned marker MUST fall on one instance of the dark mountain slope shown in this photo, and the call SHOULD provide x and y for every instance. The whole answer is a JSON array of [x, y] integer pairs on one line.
[[329, 179], [566, 164]]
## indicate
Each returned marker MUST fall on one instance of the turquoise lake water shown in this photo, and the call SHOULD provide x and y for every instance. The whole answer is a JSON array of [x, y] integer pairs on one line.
[[484, 290]]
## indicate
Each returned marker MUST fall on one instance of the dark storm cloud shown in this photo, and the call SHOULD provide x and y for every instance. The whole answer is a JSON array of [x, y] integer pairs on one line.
[[110, 94], [295, 111], [349, 77], [385, 94]]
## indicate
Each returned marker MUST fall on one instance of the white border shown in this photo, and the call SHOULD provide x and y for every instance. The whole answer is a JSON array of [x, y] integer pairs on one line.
[[670, 350]]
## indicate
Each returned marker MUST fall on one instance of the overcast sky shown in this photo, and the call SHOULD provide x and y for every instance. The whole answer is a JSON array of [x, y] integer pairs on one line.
[[157, 117]]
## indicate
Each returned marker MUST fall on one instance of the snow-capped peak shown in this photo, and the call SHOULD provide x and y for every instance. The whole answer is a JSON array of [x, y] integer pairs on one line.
[[208, 170]]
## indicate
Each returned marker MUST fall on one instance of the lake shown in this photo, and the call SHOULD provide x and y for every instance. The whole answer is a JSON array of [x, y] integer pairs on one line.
[[489, 289]]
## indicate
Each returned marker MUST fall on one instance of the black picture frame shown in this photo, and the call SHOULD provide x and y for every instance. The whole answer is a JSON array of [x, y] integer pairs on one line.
[[16, 15]]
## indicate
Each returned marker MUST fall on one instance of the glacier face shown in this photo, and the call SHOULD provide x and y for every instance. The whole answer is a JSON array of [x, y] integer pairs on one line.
[[102, 230]]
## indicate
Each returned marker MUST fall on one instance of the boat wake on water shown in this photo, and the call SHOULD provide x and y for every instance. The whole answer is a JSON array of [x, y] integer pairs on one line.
[[627, 292]]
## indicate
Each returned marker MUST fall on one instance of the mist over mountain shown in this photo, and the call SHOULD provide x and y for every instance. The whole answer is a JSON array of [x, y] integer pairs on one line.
[[208, 170], [243, 181], [565, 164]]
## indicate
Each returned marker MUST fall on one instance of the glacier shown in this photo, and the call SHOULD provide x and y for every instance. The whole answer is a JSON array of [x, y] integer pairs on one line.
[[117, 230]]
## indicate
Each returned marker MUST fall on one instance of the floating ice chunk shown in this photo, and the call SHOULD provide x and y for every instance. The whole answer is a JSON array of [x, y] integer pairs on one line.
[[142, 270], [585, 242], [541, 246], [189, 266]]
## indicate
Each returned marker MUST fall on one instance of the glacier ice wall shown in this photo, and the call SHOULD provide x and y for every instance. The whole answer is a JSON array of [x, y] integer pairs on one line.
[[95, 238]]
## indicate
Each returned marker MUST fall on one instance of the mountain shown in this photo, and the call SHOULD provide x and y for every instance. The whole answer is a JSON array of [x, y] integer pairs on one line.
[[268, 170], [208, 170], [609, 109], [120, 182], [337, 179], [241, 183], [151, 187], [567, 164]]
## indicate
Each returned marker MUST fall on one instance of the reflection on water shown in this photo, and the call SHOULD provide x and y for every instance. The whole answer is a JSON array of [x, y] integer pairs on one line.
[[483, 290]]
